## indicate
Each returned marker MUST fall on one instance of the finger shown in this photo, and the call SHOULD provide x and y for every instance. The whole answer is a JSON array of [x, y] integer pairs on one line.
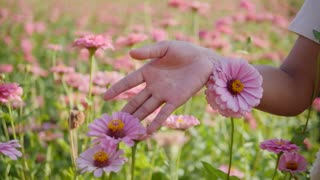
[[133, 79], [157, 50], [147, 108], [164, 113], [136, 101]]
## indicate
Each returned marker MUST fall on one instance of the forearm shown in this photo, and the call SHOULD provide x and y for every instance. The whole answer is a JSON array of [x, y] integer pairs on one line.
[[288, 89]]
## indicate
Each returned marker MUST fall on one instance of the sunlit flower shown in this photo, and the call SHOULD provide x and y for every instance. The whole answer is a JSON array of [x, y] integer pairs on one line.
[[278, 145], [93, 42], [10, 92], [9, 149], [181, 122], [103, 157], [118, 127], [315, 172], [234, 87], [292, 162]]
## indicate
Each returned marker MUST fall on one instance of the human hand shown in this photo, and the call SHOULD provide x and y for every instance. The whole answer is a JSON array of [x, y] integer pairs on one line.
[[176, 72]]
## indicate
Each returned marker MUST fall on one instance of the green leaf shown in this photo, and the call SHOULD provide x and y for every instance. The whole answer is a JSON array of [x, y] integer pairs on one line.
[[159, 176], [316, 34]]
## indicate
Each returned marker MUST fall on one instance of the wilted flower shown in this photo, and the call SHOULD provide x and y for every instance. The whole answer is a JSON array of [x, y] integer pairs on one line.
[[103, 157], [9, 149], [278, 145], [93, 42], [10, 92], [181, 122], [234, 87], [120, 126], [76, 118], [292, 162]]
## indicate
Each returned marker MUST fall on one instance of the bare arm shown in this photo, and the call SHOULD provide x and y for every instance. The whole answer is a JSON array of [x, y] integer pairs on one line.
[[288, 89]]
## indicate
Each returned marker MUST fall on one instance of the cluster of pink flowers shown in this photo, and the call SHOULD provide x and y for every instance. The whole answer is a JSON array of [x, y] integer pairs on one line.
[[109, 132], [290, 160], [9, 149], [10, 92], [234, 87]]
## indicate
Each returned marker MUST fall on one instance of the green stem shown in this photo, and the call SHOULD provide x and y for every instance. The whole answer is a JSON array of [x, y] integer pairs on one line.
[[290, 176], [91, 74], [12, 123], [314, 93], [276, 168], [195, 25], [110, 176], [5, 128], [133, 156], [230, 150], [153, 159]]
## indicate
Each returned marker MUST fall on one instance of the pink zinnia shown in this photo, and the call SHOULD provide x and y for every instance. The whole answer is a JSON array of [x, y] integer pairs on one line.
[[233, 172], [10, 92], [181, 122], [278, 145], [292, 162], [103, 157], [234, 87], [9, 149], [120, 126], [6, 68], [93, 42], [62, 69]]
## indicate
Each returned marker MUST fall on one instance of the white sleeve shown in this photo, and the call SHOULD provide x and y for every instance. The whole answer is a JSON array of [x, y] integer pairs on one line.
[[307, 20]]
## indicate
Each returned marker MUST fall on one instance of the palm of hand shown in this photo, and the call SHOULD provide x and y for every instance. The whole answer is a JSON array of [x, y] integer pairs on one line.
[[177, 72]]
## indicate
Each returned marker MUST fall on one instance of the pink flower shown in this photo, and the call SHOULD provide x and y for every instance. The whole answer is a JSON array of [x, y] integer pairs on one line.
[[278, 145], [62, 69], [55, 47], [165, 138], [159, 35], [103, 157], [118, 127], [233, 172], [247, 5], [9, 149], [181, 122], [315, 172], [93, 42], [292, 162], [131, 39], [234, 87], [6, 68], [10, 92]]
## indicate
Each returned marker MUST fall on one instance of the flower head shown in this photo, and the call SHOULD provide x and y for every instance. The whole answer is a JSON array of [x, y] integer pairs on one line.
[[181, 122], [10, 92], [93, 42], [278, 145], [234, 87], [118, 127], [103, 157], [9, 149], [292, 162]]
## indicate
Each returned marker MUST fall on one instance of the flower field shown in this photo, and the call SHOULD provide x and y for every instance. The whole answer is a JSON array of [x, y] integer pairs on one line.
[[58, 58]]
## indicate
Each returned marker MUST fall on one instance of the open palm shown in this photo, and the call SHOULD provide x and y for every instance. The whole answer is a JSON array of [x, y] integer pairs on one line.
[[176, 72]]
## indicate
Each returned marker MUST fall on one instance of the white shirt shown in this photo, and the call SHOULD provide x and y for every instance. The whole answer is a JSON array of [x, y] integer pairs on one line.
[[307, 20]]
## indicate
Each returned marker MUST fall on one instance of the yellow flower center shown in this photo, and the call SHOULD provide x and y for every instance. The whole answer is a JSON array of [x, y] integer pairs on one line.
[[293, 165], [280, 142], [100, 158], [180, 120], [235, 86], [115, 125]]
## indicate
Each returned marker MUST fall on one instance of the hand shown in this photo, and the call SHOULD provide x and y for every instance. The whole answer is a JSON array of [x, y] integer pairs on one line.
[[176, 72]]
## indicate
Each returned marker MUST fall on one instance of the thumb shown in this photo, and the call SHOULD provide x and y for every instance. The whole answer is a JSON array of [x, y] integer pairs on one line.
[[157, 50]]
